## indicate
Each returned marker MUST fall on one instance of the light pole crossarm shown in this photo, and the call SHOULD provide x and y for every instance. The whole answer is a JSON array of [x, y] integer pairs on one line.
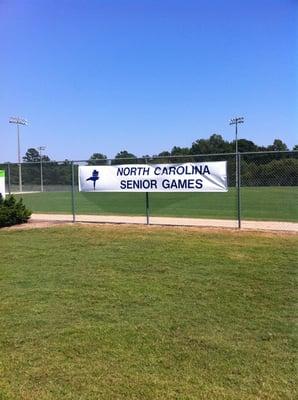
[[18, 120], [237, 120]]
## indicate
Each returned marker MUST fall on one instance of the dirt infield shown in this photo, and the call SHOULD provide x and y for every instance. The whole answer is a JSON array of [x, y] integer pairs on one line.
[[215, 223]]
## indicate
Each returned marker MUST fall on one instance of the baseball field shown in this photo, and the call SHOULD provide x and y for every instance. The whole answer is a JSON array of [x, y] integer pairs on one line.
[[119, 312], [277, 203]]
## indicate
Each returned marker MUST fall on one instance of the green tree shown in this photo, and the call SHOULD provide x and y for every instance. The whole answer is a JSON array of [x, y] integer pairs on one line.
[[200, 146], [31, 168], [162, 157], [218, 144], [164, 154], [32, 155], [278, 145], [180, 151], [124, 157], [93, 160], [124, 154], [245, 145], [215, 144]]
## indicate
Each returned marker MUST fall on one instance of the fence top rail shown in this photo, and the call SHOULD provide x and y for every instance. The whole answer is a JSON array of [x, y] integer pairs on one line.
[[151, 158]]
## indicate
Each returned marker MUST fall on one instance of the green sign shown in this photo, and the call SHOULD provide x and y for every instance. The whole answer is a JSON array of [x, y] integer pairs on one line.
[[2, 182]]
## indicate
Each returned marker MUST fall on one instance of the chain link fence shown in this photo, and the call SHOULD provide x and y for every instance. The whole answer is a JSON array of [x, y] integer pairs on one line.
[[265, 189]]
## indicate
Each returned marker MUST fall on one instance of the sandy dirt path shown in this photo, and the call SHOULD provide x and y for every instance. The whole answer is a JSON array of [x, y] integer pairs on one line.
[[215, 223]]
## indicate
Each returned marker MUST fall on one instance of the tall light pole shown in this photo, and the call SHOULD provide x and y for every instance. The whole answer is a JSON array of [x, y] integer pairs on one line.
[[19, 121], [235, 121], [41, 148]]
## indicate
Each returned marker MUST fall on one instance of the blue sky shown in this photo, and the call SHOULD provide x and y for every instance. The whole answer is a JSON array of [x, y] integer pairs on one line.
[[145, 75]]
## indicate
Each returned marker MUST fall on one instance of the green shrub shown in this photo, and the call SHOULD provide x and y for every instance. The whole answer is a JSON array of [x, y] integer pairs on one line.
[[12, 212]]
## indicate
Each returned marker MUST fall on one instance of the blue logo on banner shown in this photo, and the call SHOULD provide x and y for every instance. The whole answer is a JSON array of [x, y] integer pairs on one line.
[[93, 178]]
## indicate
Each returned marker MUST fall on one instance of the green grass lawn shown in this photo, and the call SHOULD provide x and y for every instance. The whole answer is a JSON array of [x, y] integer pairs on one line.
[[147, 313], [263, 203]]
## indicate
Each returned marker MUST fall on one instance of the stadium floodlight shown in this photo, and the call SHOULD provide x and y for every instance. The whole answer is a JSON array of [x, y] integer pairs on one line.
[[235, 121], [19, 121], [40, 149]]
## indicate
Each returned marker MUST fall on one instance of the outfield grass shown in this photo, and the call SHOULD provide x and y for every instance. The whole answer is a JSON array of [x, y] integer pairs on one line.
[[157, 313], [264, 203]]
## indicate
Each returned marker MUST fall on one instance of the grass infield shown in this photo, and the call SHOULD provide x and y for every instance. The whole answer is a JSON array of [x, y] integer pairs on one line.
[[146, 313], [263, 203]]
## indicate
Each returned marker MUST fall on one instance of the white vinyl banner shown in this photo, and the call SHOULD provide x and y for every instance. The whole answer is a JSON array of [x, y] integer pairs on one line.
[[187, 177]]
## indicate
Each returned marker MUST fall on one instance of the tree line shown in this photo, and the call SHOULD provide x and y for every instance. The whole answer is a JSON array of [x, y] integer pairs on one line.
[[214, 144], [256, 169], [263, 169]]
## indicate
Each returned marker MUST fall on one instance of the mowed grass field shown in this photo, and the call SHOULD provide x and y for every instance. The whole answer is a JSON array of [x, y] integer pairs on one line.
[[263, 203], [107, 312]]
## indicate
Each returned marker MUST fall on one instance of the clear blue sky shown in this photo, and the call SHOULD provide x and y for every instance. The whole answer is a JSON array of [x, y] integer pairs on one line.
[[145, 75]]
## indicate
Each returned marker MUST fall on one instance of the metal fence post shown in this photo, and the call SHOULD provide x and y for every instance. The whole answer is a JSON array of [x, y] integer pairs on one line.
[[147, 206], [73, 193], [238, 175], [9, 183]]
